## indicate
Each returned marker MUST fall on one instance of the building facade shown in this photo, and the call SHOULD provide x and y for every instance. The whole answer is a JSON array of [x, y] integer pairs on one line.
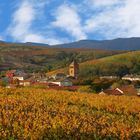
[[74, 69]]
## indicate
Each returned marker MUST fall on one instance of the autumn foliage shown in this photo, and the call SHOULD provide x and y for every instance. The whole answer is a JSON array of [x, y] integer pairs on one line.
[[30, 113]]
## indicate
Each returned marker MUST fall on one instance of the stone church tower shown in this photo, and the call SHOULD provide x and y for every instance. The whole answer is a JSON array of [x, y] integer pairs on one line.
[[74, 69]]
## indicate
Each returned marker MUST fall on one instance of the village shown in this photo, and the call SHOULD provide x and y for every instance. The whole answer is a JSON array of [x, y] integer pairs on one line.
[[62, 81], [18, 78]]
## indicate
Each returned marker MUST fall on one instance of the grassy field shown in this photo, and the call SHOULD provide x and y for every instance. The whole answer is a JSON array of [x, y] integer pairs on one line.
[[31, 113], [124, 58]]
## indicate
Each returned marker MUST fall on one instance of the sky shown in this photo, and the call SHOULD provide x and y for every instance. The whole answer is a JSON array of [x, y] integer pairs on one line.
[[62, 21]]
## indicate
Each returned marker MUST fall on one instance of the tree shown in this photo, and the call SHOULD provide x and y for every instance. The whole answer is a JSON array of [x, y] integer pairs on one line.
[[122, 70], [98, 85], [135, 69]]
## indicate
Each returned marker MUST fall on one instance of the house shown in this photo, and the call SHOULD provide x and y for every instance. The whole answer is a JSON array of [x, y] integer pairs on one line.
[[62, 82], [131, 77], [124, 90], [25, 83], [20, 77], [17, 78], [108, 77], [59, 76], [10, 73], [116, 92], [16, 74], [39, 75], [42, 80]]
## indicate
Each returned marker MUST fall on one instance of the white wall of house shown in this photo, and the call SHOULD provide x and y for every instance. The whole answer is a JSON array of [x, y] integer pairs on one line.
[[62, 83], [21, 78], [131, 78], [57, 83], [25, 83]]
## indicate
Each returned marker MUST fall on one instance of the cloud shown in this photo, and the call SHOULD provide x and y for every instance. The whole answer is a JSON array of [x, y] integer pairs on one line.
[[105, 19], [1, 38], [116, 21], [25, 15], [41, 39], [102, 3], [22, 20], [67, 19]]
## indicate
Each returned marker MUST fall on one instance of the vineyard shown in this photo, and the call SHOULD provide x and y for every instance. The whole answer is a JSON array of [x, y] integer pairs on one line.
[[30, 113]]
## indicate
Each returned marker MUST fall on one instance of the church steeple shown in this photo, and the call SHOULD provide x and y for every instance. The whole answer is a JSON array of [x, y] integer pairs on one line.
[[74, 69]]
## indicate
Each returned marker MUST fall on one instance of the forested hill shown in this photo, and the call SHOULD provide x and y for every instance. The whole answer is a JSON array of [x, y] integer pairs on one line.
[[40, 58]]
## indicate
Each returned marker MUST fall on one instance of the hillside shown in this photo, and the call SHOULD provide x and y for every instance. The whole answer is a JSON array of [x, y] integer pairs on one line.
[[37, 58], [120, 64]]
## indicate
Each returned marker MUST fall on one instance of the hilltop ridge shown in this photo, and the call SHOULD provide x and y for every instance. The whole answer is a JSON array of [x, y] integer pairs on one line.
[[132, 43]]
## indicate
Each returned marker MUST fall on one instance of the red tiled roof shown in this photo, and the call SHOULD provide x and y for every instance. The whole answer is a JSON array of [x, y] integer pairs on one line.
[[112, 92]]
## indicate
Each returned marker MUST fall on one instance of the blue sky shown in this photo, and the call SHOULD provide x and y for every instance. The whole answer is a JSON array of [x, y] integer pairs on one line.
[[62, 21]]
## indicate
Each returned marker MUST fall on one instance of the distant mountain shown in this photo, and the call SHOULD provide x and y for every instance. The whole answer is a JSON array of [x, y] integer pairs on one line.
[[35, 44], [29, 44], [2, 41], [115, 44]]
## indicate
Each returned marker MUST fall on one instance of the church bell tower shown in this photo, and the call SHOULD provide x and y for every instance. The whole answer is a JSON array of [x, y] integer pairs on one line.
[[74, 69]]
